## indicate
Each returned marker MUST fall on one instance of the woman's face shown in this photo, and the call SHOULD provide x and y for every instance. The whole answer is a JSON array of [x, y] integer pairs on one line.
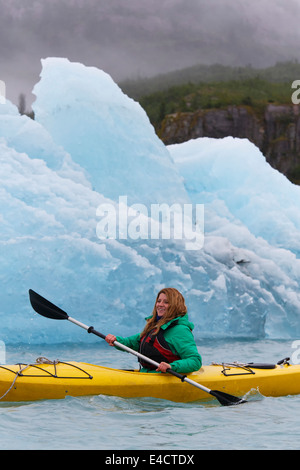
[[162, 305]]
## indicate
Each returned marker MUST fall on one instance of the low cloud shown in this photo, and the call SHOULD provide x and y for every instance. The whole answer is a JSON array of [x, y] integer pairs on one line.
[[142, 38]]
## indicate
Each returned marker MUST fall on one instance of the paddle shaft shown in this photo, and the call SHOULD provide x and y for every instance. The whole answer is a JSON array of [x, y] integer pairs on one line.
[[90, 329]]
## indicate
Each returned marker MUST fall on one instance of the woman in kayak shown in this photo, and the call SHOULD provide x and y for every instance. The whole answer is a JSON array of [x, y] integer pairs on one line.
[[167, 337]]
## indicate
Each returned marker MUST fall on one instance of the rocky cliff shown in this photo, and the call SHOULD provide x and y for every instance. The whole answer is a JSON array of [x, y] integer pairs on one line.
[[275, 131]]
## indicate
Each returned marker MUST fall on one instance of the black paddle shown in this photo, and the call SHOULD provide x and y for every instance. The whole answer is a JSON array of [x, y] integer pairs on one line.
[[49, 310]]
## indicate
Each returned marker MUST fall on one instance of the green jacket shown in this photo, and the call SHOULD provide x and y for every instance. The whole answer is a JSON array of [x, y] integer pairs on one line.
[[181, 341]]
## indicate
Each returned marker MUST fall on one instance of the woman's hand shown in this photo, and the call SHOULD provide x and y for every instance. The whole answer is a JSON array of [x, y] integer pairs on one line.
[[163, 366], [110, 339]]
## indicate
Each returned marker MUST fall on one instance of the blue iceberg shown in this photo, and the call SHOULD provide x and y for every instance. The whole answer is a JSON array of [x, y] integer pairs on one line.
[[91, 146]]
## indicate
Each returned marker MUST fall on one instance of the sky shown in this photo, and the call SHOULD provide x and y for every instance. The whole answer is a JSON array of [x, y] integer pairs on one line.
[[142, 38]]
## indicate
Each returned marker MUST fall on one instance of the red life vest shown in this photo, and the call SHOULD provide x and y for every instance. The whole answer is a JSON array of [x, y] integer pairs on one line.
[[156, 348]]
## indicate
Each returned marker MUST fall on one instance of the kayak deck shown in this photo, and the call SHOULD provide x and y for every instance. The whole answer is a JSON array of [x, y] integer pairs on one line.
[[56, 380]]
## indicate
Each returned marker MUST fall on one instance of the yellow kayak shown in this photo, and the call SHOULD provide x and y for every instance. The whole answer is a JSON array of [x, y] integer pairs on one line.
[[54, 380]]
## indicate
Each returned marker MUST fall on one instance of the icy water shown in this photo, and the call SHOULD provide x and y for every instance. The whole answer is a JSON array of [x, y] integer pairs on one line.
[[112, 423]]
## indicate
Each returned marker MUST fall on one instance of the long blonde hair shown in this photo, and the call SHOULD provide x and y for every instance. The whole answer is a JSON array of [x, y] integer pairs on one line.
[[177, 308]]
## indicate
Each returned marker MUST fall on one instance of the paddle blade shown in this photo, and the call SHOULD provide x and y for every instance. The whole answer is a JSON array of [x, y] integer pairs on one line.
[[225, 399], [46, 308]]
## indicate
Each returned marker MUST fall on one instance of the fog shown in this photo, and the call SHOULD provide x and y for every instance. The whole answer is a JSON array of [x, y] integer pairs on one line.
[[142, 38]]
